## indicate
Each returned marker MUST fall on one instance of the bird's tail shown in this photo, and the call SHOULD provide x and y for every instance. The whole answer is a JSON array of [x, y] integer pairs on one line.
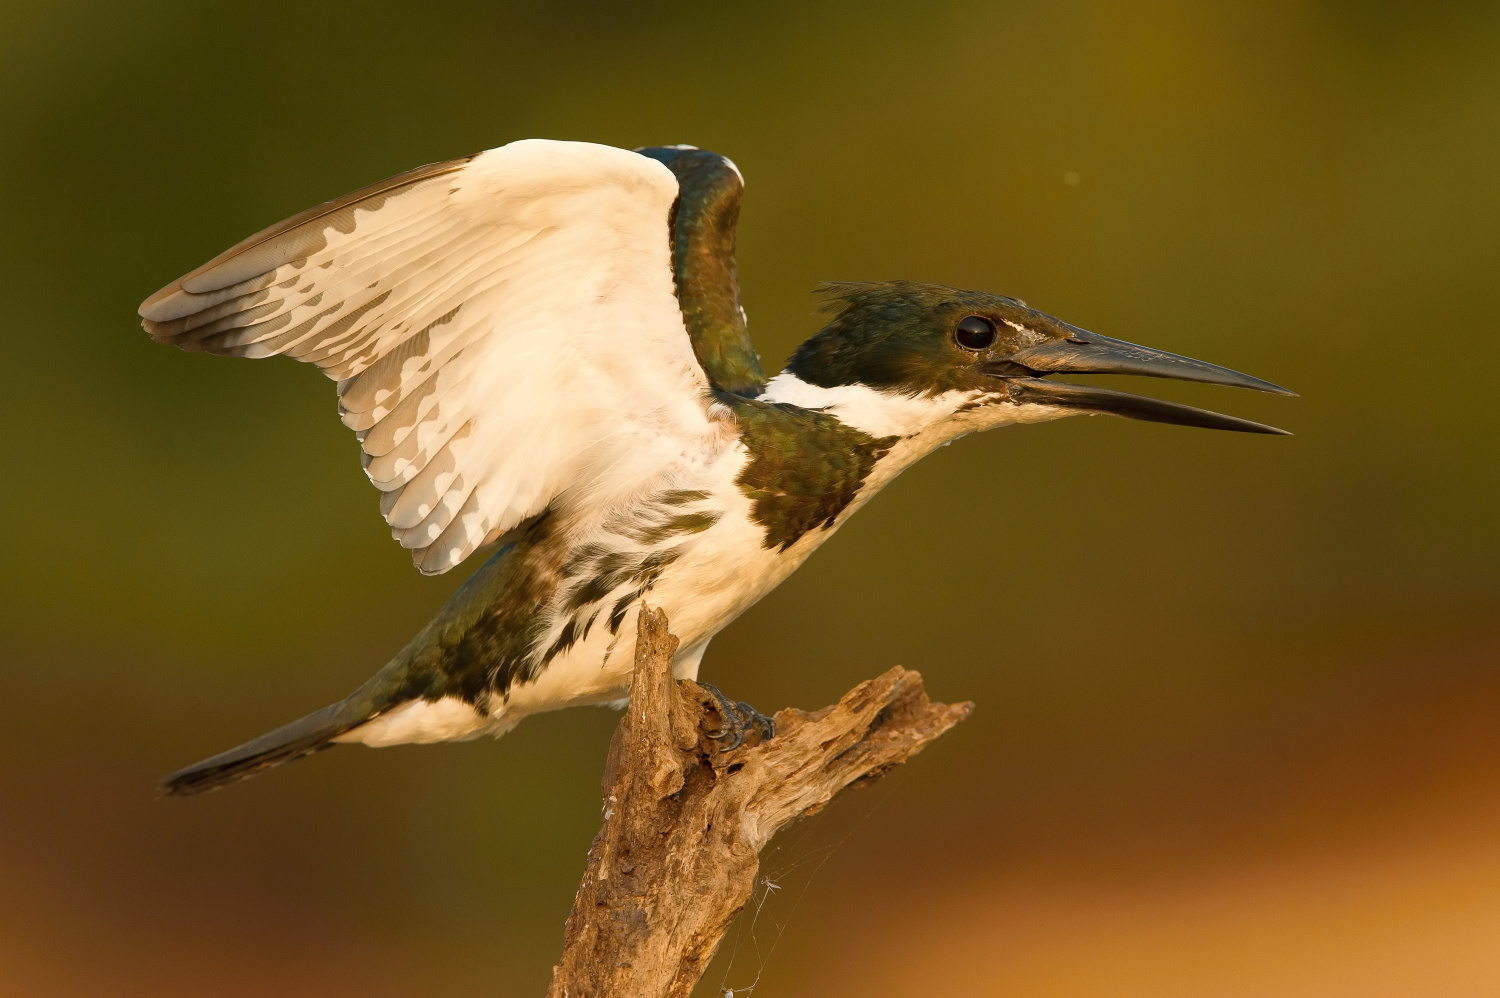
[[417, 667], [302, 737]]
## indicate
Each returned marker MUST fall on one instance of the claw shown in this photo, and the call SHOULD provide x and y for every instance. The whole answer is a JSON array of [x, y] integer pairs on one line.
[[738, 717], [734, 724], [765, 722]]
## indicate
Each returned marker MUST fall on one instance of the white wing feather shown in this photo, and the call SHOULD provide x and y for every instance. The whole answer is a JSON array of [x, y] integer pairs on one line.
[[503, 329]]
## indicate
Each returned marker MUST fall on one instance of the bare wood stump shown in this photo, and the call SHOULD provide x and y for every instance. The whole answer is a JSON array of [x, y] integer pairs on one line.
[[684, 821]]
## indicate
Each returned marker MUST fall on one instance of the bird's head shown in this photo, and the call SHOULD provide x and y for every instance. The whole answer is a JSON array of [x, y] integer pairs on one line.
[[903, 358]]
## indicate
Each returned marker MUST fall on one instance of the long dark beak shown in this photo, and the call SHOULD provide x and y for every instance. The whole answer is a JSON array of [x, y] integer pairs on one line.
[[1083, 352]]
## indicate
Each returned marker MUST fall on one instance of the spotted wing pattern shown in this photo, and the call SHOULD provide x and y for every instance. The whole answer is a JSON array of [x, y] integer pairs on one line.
[[503, 330]]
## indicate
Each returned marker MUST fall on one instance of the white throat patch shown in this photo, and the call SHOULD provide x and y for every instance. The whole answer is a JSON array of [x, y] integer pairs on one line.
[[878, 413]]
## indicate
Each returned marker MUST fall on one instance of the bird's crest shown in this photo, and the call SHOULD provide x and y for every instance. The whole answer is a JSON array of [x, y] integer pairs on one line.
[[838, 297]]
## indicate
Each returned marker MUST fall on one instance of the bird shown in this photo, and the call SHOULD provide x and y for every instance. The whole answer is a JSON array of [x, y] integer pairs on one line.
[[542, 354]]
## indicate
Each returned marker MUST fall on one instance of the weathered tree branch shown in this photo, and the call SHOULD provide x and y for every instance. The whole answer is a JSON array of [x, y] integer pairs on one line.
[[684, 821]]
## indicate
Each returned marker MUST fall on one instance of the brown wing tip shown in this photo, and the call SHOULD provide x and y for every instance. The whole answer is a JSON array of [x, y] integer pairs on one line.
[[150, 310], [161, 309]]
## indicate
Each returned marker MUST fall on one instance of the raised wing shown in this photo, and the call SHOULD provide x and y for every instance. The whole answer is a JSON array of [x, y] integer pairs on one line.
[[503, 330], [708, 286]]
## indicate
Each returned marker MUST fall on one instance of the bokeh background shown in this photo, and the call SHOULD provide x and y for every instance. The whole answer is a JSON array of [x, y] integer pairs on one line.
[[1238, 725]]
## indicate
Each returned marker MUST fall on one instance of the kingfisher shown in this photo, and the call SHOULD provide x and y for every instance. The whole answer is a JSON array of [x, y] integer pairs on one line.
[[541, 352]]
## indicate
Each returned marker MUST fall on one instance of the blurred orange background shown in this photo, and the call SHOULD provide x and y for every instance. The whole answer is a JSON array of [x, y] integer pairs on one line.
[[1238, 725]]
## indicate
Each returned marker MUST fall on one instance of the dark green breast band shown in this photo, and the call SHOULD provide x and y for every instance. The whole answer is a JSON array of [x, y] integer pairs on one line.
[[805, 466]]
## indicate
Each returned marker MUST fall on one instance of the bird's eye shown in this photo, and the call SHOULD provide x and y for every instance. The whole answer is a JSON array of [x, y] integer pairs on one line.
[[975, 333]]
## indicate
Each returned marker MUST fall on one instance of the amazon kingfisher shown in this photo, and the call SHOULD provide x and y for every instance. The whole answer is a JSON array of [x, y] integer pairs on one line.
[[542, 353]]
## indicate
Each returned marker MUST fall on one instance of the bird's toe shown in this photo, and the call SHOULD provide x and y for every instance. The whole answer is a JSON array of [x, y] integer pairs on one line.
[[738, 718]]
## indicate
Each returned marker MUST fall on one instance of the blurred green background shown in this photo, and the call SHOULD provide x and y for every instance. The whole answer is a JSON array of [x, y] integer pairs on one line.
[[1238, 696]]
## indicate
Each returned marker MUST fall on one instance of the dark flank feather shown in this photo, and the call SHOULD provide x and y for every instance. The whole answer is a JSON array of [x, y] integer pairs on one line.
[[485, 638]]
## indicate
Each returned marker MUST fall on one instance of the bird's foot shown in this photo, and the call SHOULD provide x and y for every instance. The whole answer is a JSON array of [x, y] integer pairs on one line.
[[739, 717]]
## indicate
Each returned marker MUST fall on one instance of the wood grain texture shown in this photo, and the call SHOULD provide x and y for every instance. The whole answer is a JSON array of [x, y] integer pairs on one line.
[[684, 821]]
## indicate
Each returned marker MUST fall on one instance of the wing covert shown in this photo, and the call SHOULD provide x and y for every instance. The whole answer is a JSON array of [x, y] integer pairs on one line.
[[503, 330]]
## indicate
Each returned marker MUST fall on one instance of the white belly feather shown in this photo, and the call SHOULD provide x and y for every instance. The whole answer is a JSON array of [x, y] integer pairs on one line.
[[721, 572]]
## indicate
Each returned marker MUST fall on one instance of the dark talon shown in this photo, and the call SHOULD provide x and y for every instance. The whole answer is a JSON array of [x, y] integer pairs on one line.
[[764, 722], [734, 725], [738, 717]]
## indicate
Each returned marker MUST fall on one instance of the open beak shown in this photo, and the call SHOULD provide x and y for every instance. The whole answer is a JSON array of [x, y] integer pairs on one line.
[[1083, 352]]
